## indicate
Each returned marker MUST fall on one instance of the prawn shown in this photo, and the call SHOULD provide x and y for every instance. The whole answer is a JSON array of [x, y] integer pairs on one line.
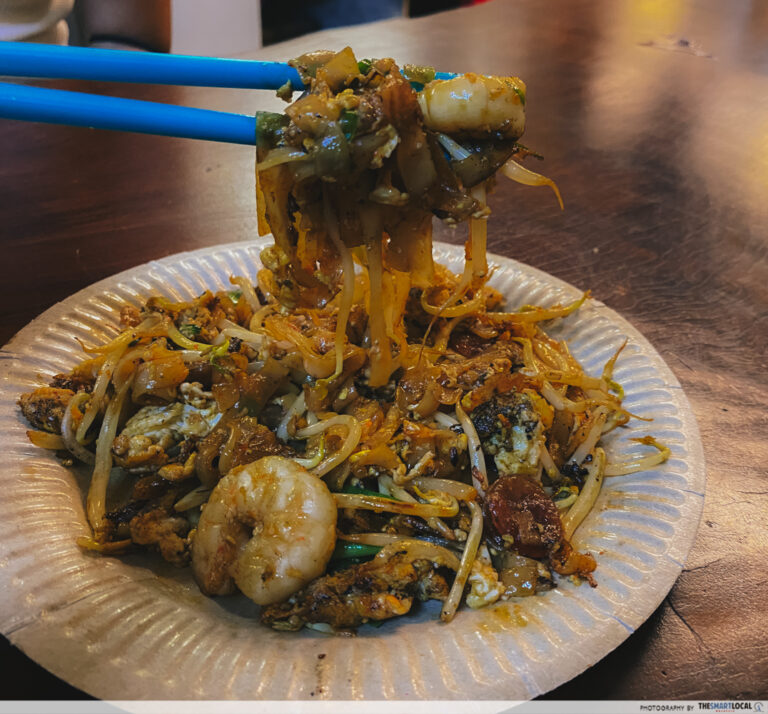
[[269, 528], [475, 105]]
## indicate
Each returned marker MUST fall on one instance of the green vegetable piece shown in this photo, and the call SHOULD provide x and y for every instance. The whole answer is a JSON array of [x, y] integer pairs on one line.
[[520, 93], [269, 128], [419, 73], [235, 295], [286, 91], [349, 121], [364, 66], [346, 551], [190, 331]]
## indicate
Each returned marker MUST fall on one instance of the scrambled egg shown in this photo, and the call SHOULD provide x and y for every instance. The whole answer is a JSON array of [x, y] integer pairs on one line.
[[485, 588], [510, 431], [166, 425]]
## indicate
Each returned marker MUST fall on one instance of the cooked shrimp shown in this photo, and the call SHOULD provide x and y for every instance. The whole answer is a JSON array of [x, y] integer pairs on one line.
[[269, 528], [474, 105]]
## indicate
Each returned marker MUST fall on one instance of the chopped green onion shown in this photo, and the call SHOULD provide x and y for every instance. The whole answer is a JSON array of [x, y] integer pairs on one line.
[[190, 331], [269, 127], [348, 121], [346, 551], [364, 66]]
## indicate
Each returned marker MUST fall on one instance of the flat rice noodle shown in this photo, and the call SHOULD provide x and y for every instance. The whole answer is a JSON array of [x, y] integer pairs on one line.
[[380, 455], [320, 396], [413, 155], [399, 102], [420, 391], [340, 70], [355, 219], [275, 186], [410, 245], [414, 162], [380, 432], [261, 208], [234, 388], [312, 113], [315, 364], [248, 441], [380, 353], [257, 389], [497, 383], [208, 452], [158, 376], [308, 249], [308, 63]]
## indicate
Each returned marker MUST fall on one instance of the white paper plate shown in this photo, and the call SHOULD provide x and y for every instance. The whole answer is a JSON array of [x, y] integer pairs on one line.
[[138, 629]]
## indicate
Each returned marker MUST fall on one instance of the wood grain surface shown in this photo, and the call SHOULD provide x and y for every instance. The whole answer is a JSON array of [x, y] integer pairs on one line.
[[653, 118]]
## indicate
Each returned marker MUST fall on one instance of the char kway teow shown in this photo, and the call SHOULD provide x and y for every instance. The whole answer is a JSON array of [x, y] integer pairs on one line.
[[359, 429]]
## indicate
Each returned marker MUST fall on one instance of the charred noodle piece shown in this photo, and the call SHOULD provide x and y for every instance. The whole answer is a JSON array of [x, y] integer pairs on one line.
[[165, 531], [44, 408], [377, 590], [81, 378], [248, 441], [150, 521]]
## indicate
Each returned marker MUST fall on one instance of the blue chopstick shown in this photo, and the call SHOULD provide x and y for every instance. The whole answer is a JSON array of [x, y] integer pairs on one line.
[[57, 106], [22, 59]]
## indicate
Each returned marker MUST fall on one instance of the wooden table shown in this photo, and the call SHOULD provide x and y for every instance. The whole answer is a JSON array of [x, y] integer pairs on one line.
[[653, 117]]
